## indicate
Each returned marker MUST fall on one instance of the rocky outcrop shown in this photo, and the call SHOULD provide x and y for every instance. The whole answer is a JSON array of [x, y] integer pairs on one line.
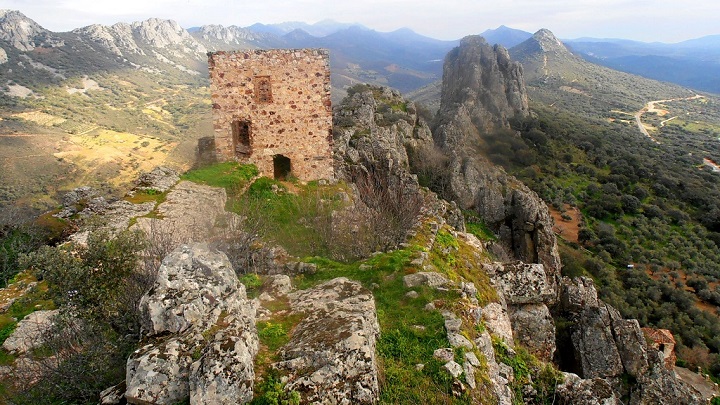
[[3, 56], [576, 391], [523, 283], [159, 179], [607, 347], [330, 358], [533, 327], [482, 88], [375, 131], [29, 332], [203, 328], [482, 91], [24, 33], [191, 212]]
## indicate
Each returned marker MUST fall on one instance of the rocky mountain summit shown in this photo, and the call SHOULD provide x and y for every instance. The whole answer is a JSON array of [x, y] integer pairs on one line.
[[24, 33]]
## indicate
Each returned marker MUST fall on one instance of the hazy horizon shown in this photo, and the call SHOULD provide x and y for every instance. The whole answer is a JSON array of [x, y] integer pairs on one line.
[[640, 20]]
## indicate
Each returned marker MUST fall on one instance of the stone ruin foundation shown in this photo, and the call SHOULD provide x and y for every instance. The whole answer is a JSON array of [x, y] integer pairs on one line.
[[662, 340], [272, 108]]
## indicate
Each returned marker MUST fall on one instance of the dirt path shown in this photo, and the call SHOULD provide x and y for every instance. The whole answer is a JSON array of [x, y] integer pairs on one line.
[[650, 107]]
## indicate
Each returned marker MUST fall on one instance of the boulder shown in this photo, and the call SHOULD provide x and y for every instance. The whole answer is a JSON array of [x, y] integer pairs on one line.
[[160, 179], [330, 358], [577, 294], [576, 391], [224, 373], [497, 321], [522, 283], [534, 328], [29, 332], [159, 373], [428, 278], [203, 330], [193, 287]]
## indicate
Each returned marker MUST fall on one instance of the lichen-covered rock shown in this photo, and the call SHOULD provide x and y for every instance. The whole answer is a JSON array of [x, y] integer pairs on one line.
[[534, 328], [192, 289], [278, 285], [500, 376], [577, 293], [497, 321], [160, 179], [428, 278], [631, 345], [208, 355], [594, 343], [159, 373], [224, 373], [658, 385], [330, 358], [29, 332], [191, 213], [522, 283], [576, 391]]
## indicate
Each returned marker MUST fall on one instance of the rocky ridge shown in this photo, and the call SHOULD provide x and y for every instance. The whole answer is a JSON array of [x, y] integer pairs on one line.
[[481, 91]]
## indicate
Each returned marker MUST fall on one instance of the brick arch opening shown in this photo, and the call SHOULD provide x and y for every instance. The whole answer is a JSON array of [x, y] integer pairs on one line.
[[282, 167]]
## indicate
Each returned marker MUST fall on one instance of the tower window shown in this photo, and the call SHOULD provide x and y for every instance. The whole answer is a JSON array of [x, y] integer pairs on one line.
[[263, 89]]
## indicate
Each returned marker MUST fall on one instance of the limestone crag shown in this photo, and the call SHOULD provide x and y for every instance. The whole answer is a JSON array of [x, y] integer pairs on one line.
[[330, 358], [376, 130], [160, 179], [482, 91], [204, 330], [483, 86]]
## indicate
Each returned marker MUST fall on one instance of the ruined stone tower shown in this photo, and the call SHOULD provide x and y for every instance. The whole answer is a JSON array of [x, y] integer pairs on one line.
[[272, 108]]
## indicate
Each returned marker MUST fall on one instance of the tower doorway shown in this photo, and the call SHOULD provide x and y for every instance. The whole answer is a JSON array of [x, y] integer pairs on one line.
[[281, 167]]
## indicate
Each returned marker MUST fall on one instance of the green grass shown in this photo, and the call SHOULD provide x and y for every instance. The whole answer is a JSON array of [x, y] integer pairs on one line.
[[231, 176], [527, 369], [149, 195], [409, 333], [298, 220]]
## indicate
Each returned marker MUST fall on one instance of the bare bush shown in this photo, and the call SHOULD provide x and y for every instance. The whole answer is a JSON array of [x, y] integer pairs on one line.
[[430, 164], [394, 205]]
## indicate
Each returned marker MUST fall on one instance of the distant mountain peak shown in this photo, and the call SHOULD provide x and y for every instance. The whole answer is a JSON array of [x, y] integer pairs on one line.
[[548, 42], [23, 33], [505, 36]]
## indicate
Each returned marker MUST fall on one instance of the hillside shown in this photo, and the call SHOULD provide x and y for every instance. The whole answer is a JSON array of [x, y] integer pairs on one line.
[[648, 233]]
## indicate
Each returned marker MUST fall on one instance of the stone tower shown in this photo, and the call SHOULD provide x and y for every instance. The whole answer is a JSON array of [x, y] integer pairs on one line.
[[272, 108]]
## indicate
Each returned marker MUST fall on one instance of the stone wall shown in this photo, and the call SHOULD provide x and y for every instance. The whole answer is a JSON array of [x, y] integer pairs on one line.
[[270, 104]]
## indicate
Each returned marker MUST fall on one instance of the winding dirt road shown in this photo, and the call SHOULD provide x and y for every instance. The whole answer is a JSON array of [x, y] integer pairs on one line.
[[650, 106]]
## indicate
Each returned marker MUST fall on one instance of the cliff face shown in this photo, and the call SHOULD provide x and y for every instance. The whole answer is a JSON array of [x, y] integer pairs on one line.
[[481, 87]]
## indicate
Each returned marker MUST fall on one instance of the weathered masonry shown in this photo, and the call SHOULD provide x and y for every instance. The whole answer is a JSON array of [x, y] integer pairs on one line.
[[272, 108]]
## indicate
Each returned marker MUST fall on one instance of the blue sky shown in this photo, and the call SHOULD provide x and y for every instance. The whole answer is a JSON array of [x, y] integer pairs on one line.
[[644, 20]]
